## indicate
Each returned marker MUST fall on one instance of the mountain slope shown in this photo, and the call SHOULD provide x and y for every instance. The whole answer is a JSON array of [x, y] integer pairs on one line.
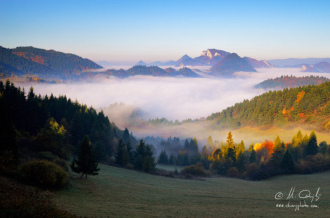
[[30, 60], [308, 105], [323, 67], [230, 64], [258, 64], [211, 57], [290, 62], [141, 63], [185, 60]]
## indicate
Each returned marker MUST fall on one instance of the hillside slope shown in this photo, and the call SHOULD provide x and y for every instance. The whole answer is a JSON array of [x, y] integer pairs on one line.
[[30, 60], [291, 82], [308, 105], [230, 64]]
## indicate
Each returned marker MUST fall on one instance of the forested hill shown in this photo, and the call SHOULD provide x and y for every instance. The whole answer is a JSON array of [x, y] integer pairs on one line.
[[291, 82], [55, 125], [302, 105], [30, 60]]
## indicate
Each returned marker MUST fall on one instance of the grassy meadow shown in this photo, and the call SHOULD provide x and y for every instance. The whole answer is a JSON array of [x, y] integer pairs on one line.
[[118, 192]]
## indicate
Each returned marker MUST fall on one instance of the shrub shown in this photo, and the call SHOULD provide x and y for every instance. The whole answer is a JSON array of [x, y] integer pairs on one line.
[[43, 173], [194, 170], [232, 172]]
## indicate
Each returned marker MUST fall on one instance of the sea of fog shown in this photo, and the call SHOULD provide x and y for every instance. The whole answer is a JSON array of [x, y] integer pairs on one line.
[[172, 98]]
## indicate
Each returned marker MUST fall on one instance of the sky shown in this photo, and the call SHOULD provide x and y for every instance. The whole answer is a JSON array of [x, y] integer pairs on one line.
[[128, 31]]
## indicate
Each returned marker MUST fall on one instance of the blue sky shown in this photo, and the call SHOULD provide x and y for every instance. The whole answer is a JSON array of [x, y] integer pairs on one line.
[[122, 30]]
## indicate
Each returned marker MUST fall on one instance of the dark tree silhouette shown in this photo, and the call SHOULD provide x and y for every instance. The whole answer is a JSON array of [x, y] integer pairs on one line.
[[311, 148], [86, 163], [287, 163]]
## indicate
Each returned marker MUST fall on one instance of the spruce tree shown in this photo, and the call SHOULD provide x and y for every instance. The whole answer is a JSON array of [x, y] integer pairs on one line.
[[311, 147], [278, 152], [287, 163], [253, 156], [163, 158], [140, 152], [120, 151], [210, 142], [129, 152], [86, 163], [126, 136], [149, 160]]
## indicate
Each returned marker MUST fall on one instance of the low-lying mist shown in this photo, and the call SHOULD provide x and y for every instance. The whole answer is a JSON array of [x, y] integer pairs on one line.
[[172, 98]]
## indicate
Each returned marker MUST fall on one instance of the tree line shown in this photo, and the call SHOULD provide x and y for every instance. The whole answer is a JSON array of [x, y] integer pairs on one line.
[[51, 128], [307, 104]]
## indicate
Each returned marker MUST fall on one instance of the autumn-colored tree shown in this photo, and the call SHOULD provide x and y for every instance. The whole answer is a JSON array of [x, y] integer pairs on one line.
[[240, 148], [230, 142], [210, 142]]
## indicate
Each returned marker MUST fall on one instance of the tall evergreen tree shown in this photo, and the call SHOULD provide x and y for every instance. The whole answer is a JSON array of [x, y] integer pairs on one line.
[[86, 163], [140, 153], [278, 152], [287, 163], [253, 156], [129, 152], [240, 162], [126, 135], [210, 142], [163, 158], [120, 152], [230, 142], [149, 160], [311, 147]]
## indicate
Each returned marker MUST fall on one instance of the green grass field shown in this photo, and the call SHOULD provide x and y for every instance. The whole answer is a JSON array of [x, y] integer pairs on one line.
[[120, 192], [169, 167]]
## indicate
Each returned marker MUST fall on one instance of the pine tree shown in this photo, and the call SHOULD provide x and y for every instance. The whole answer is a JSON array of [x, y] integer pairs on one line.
[[120, 151], [126, 136], [240, 149], [210, 142], [231, 154], [287, 163], [253, 156], [129, 151], [140, 153], [86, 163], [240, 162], [278, 152], [171, 160], [311, 148], [230, 142], [163, 158], [149, 160]]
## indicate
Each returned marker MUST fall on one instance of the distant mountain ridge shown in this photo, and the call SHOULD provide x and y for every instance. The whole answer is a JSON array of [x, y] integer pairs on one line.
[[322, 67], [209, 57], [290, 62], [30, 60], [230, 64], [151, 71]]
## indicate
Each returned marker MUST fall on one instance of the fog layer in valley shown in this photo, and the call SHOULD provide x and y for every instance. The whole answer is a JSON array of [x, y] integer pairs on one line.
[[172, 98]]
